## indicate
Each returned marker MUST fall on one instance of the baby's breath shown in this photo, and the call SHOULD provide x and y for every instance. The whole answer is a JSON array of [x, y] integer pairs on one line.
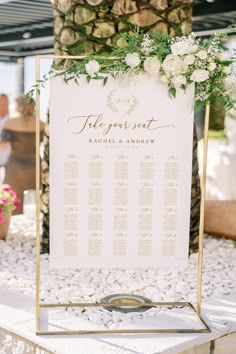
[[146, 45], [179, 62]]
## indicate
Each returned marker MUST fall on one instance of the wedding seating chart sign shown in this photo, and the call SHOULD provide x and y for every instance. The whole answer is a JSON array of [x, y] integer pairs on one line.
[[120, 173]]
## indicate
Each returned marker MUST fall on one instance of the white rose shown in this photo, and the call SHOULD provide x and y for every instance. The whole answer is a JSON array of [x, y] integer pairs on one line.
[[202, 54], [172, 64], [184, 68], [152, 65], [92, 67], [194, 49], [211, 66], [189, 59], [199, 75], [178, 81], [132, 59], [182, 47]]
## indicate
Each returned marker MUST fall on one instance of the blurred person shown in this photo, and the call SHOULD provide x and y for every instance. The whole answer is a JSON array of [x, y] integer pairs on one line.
[[4, 116], [20, 133]]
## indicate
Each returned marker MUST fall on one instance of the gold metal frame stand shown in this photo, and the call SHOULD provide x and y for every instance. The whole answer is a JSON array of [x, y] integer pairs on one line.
[[40, 306]]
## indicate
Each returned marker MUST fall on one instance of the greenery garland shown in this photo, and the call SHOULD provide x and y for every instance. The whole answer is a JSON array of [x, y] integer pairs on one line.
[[178, 62]]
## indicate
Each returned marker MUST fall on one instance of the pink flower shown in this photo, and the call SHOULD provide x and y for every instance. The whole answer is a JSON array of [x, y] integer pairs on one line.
[[8, 200], [12, 194], [6, 187], [16, 205]]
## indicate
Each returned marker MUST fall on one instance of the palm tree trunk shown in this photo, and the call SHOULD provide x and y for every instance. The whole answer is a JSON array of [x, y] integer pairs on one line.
[[87, 26]]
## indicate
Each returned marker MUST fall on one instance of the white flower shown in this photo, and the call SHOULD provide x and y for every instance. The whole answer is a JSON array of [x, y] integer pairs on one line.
[[164, 78], [146, 45], [182, 47], [211, 66], [194, 49], [178, 81], [202, 54], [172, 64], [132, 60], [92, 67], [152, 65], [189, 59], [199, 75]]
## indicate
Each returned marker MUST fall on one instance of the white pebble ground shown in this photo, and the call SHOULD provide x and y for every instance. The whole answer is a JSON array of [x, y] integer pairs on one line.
[[17, 272]]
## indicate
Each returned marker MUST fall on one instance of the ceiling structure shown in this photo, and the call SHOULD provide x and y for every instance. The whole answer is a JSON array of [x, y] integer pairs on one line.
[[210, 16], [26, 26]]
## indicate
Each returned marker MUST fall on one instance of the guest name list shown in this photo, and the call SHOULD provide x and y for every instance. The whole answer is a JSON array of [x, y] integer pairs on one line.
[[120, 174]]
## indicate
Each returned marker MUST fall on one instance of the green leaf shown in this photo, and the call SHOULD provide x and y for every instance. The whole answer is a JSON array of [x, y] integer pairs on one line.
[[70, 78], [172, 92], [88, 78], [30, 93], [98, 77], [199, 105], [226, 62], [76, 81], [105, 80], [59, 74]]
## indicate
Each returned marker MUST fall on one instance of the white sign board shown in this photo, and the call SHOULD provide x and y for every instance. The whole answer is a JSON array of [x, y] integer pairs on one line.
[[120, 173]]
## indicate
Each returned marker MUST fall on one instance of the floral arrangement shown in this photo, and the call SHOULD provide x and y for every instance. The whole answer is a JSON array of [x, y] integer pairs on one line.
[[178, 62], [8, 201]]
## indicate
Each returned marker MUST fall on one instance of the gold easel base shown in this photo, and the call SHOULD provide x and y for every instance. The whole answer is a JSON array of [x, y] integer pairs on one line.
[[205, 328]]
